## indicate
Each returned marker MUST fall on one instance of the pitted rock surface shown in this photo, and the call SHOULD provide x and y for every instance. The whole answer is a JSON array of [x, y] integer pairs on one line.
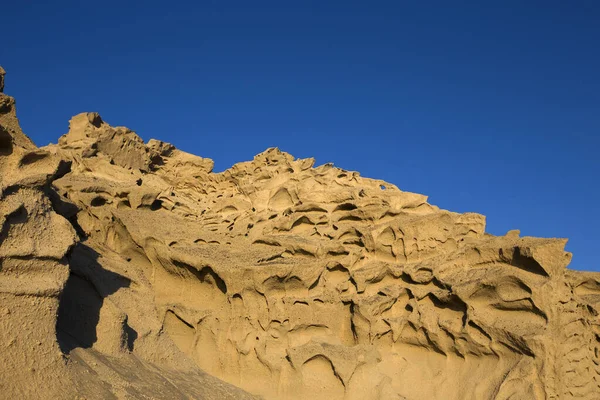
[[286, 280]]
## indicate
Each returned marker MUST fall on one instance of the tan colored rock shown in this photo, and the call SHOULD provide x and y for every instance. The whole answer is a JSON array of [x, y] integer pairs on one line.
[[2, 73], [285, 280], [34, 241], [50, 277]]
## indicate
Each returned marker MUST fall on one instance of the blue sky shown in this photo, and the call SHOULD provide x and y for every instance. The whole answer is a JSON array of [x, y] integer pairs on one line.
[[491, 107]]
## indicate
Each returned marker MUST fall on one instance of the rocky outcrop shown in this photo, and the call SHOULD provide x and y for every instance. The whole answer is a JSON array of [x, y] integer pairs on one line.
[[2, 73], [34, 240], [286, 280], [53, 291]]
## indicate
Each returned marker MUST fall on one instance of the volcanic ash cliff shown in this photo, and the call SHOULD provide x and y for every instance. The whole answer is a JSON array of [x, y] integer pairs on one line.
[[129, 270]]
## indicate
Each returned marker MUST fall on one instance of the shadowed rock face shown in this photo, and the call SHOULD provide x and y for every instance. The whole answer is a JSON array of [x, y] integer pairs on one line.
[[291, 281]]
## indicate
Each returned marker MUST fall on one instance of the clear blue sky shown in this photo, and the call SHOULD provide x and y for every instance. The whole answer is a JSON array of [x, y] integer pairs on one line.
[[492, 107]]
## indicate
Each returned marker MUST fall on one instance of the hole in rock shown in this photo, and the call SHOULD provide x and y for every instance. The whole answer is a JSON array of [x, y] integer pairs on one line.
[[98, 201]]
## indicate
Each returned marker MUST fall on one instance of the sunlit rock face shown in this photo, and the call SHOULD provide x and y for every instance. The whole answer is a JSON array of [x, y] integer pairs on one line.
[[291, 282], [61, 334]]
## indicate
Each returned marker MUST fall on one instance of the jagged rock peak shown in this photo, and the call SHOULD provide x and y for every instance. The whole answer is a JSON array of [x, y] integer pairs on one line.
[[90, 136]]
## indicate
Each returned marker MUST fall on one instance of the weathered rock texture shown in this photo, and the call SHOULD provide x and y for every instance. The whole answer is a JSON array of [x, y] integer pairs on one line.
[[63, 331], [2, 73], [285, 280]]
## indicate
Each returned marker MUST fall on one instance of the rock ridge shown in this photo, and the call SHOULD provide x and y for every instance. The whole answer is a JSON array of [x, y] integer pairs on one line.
[[138, 272]]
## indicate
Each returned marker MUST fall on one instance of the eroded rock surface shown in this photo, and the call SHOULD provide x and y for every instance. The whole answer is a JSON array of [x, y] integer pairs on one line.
[[283, 279], [2, 73], [62, 336]]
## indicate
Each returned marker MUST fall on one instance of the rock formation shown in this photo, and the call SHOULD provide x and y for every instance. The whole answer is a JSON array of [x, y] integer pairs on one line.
[[131, 270], [2, 73], [63, 334]]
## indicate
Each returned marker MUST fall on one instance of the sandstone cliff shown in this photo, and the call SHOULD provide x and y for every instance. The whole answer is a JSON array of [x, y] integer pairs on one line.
[[130, 270]]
